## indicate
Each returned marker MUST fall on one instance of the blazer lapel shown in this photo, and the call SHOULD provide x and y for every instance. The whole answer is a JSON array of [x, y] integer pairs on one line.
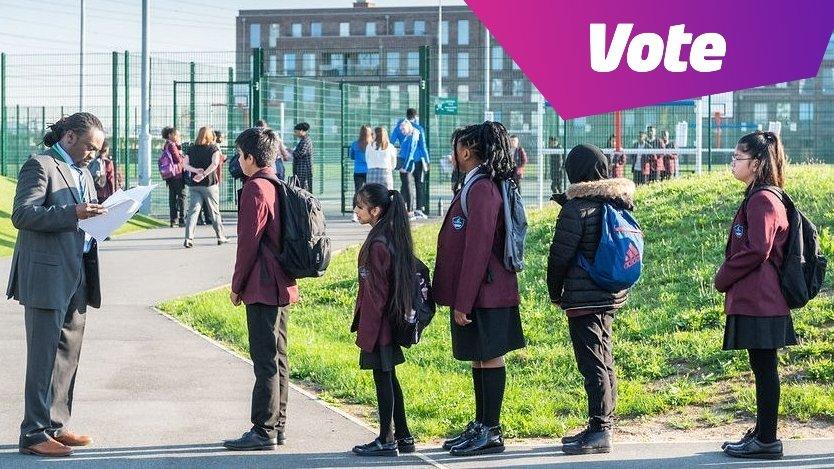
[[64, 170]]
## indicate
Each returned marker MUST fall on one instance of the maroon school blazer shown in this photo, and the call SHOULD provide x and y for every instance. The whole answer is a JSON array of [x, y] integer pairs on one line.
[[258, 276], [469, 271], [754, 254], [370, 317]]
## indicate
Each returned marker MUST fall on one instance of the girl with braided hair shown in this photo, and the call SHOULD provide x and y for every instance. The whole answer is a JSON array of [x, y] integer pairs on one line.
[[471, 279]]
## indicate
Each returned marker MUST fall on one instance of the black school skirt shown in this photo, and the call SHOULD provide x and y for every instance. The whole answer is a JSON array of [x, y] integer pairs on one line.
[[493, 332], [758, 332], [383, 358]]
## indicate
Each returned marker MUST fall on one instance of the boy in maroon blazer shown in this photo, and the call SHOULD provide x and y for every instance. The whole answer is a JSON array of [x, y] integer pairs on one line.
[[260, 283]]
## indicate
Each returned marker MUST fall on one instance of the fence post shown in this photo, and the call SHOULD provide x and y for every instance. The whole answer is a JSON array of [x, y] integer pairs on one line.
[[126, 140], [699, 135], [540, 145], [709, 133], [295, 101], [230, 103], [3, 135], [114, 140], [425, 110], [321, 138], [257, 76], [192, 106], [176, 117], [342, 139]]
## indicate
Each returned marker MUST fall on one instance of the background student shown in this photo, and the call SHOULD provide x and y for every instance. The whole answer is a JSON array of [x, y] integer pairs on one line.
[[758, 316], [471, 279], [386, 291]]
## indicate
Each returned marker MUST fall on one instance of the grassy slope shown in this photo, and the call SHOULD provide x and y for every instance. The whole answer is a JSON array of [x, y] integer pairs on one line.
[[8, 233], [667, 340]]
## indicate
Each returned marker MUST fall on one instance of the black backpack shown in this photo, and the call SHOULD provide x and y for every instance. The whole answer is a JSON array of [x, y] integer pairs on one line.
[[422, 309], [305, 250], [803, 269], [515, 220]]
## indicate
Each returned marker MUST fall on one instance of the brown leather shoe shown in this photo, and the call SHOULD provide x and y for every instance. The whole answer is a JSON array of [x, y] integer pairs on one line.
[[49, 448], [71, 439]]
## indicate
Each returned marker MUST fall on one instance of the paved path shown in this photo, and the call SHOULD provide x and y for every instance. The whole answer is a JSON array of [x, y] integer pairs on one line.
[[154, 394]]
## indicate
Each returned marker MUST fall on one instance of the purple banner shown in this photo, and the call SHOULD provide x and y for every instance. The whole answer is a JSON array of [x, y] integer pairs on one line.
[[599, 56]]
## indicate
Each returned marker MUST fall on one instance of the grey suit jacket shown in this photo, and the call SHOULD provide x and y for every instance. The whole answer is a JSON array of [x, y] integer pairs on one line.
[[48, 254]]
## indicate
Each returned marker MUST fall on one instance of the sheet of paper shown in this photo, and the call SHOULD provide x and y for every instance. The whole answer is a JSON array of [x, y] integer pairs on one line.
[[121, 206]]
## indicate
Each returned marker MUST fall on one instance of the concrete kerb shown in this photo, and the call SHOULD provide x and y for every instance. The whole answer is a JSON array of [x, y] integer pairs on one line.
[[294, 386]]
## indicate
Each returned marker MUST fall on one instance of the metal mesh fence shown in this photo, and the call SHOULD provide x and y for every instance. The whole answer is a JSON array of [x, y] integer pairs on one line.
[[191, 90]]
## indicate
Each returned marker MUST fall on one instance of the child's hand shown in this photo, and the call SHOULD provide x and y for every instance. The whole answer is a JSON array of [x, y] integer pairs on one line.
[[462, 319]]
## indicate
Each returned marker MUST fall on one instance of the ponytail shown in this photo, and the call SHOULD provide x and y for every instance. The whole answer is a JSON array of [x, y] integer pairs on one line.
[[767, 149], [490, 142], [79, 123], [394, 229]]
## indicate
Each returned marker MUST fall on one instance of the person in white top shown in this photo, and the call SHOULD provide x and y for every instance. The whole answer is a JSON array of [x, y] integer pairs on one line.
[[381, 157]]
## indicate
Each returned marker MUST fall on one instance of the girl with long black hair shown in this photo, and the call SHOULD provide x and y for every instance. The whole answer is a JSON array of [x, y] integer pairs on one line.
[[386, 288], [471, 279], [758, 316]]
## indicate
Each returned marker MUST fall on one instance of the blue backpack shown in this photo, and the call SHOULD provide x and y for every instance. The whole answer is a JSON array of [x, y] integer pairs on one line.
[[619, 257]]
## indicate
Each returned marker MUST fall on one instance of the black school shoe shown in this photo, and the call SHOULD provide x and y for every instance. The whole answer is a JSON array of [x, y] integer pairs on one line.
[[377, 448], [466, 435], [755, 449], [573, 438], [486, 441], [750, 434], [251, 441], [406, 445], [590, 443]]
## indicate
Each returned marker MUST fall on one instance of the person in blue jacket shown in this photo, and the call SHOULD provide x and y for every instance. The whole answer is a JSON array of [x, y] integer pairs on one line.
[[356, 152], [410, 136]]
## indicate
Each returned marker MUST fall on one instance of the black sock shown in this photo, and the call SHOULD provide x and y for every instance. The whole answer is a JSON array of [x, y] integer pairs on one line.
[[400, 424], [494, 380], [479, 397], [385, 404], [764, 364]]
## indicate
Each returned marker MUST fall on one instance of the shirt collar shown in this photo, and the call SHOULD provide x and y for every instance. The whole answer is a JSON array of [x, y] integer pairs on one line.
[[472, 173], [67, 159]]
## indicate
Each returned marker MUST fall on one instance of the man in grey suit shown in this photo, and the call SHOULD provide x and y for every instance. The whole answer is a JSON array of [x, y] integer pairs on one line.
[[55, 277]]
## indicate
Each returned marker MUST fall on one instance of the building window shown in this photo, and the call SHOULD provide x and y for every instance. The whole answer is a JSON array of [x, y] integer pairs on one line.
[[413, 63], [806, 111], [369, 62], [419, 28], [394, 97], [370, 29], [273, 64], [518, 87], [289, 64], [337, 65], [392, 62], [443, 93], [296, 30], [497, 87], [255, 35], [289, 93], [315, 29], [515, 66], [444, 32], [444, 64], [413, 95], [783, 111], [274, 32], [308, 65], [344, 29], [784, 84], [516, 120], [497, 58], [399, 28], [463, 93], [463, 64], [760, 112], [308, 93], [827, 80], [463, 32]]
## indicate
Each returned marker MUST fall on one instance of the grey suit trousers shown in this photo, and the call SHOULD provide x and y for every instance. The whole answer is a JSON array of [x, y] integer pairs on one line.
[[53, 347]]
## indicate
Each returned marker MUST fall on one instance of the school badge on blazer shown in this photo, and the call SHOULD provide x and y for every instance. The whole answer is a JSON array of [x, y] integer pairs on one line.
[[458, 223], [738, 230]]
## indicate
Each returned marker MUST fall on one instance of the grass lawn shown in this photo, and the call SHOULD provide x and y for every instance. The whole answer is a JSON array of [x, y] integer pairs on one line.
[[667, 340], [8, 233]]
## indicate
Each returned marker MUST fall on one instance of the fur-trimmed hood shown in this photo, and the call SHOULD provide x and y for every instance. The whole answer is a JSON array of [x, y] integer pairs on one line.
[[618, 190]]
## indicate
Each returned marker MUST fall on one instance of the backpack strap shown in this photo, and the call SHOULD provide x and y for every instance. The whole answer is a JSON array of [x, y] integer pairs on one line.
[[464, 193]]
